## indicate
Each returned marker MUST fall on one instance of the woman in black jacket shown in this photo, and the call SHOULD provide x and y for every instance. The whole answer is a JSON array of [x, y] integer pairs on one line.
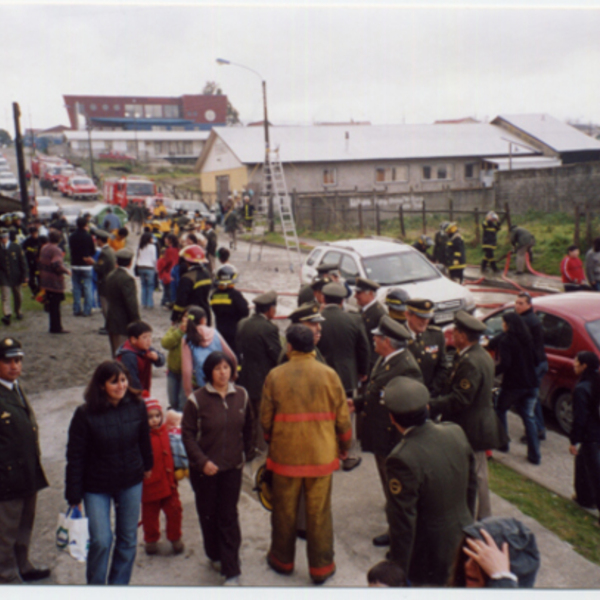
[[108, 455], [586, 428], [519, 381]]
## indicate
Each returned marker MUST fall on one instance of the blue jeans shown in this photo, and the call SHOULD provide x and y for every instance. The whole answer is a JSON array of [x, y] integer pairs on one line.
[[166, 297], [175, 391], [147, 279], [540, 371], [82, 285], [521, 397], [127, 512]]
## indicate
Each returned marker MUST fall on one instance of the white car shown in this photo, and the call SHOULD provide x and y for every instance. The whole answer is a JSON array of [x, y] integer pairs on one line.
[[8, 181], [46, 207], [392, 265]]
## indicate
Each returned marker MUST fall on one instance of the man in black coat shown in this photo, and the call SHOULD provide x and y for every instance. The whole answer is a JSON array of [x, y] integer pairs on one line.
[[258, 345], [345, 347], [123, 305], [432, 486], [82, 249], [21, 473], [378, 435], [524, 308]]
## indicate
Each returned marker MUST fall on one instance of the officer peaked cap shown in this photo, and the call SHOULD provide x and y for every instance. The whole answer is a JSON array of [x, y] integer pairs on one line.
[[366, 285], [466, 321], [388, 327], [405, 395], [421, 307], [306, 313], [266, 299]]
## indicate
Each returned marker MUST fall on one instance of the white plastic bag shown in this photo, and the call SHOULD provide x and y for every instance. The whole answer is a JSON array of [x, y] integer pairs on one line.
[[72, 534]]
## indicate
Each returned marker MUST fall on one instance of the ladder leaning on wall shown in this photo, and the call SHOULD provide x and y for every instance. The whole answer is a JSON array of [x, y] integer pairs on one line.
[[274, 183]]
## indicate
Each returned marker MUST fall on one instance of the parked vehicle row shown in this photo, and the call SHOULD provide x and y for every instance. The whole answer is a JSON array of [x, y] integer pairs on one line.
[[8, 182], [57, 174]]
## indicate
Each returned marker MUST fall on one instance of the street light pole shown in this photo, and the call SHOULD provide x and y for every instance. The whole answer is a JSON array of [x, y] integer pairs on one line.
[[268, 184]]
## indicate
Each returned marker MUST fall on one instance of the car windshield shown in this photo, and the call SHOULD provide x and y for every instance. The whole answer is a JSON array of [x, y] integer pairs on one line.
[[398, 268], [140, 188], [82, 181], [593, 328]]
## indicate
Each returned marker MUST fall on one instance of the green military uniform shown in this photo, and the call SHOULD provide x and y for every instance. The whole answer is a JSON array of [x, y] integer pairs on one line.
[[123, 305], [259, 346], [344, 344], [431, 480], [466, 400], [305, 294], [429, 350], [371, 317], [523, 241], [21, 475]]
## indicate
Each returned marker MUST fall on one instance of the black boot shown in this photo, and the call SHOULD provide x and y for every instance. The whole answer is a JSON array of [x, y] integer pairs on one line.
[[483, 266]]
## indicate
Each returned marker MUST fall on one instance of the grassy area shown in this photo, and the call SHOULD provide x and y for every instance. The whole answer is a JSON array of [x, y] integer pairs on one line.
[[563, 517], [553, 233]]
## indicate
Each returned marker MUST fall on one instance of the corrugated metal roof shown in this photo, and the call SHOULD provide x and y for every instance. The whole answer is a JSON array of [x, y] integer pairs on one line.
[[158, 136], [375, 142], [559, 136]]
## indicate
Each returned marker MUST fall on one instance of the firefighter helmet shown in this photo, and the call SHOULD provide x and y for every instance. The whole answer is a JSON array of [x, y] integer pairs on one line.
[[263, 485], [491, 216], [192, 254], [452, 228], [425, 240], [226, 275]]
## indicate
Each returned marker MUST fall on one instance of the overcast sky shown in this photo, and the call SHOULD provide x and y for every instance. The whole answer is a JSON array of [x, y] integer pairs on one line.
[[383, 63]]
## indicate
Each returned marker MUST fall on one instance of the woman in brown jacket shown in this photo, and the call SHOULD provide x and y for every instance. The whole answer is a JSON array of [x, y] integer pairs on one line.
[[52, 272], [217, 434]]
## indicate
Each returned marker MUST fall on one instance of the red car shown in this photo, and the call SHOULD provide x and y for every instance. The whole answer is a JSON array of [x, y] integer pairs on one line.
[[571, 323], [81, 187]]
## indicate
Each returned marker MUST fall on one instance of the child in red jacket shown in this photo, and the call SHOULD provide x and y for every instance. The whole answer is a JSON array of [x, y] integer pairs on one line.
[[160, 488]]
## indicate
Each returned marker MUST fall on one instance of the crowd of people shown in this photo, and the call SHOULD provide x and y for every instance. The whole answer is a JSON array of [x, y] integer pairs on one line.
[[342, 382]]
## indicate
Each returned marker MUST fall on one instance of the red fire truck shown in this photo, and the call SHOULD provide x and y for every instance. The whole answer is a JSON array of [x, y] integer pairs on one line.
[[123, 190]]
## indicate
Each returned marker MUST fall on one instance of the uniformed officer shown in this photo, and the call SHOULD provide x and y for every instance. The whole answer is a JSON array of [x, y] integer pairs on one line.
[[194, 286], [371, 310], [319, 282], [13, 274], [345, 346], [31, 247], [211, 243], [489, 242], [466, 399], [103, 267], [441, 241], [395, 302], [522, 242], [308, 314], [332, 271], [378, 436], [456, 258], [432, 486], [306, 294], [228, 304], [427, 344], [21, 470], [258, 345]]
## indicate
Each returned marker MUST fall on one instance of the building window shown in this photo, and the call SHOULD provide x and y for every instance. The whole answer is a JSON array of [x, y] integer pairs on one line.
[[171, 111], [131, 146], [469, 171], [133, 111], [153, 111], [105, 107], [390, 174], [437, 172], [117, 107], [93, 107], [329, 176]]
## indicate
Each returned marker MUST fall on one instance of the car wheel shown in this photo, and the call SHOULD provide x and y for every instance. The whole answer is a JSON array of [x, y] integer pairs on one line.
[[563, 410]]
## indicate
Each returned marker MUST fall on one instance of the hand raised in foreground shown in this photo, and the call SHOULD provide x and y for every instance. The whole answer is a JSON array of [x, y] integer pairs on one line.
[[487, 555]]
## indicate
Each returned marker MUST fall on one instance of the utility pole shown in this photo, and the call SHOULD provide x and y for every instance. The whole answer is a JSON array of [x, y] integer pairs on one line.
[[21, 161]]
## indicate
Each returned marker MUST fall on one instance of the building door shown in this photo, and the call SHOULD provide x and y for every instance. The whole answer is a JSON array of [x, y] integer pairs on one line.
[[223, 189]]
